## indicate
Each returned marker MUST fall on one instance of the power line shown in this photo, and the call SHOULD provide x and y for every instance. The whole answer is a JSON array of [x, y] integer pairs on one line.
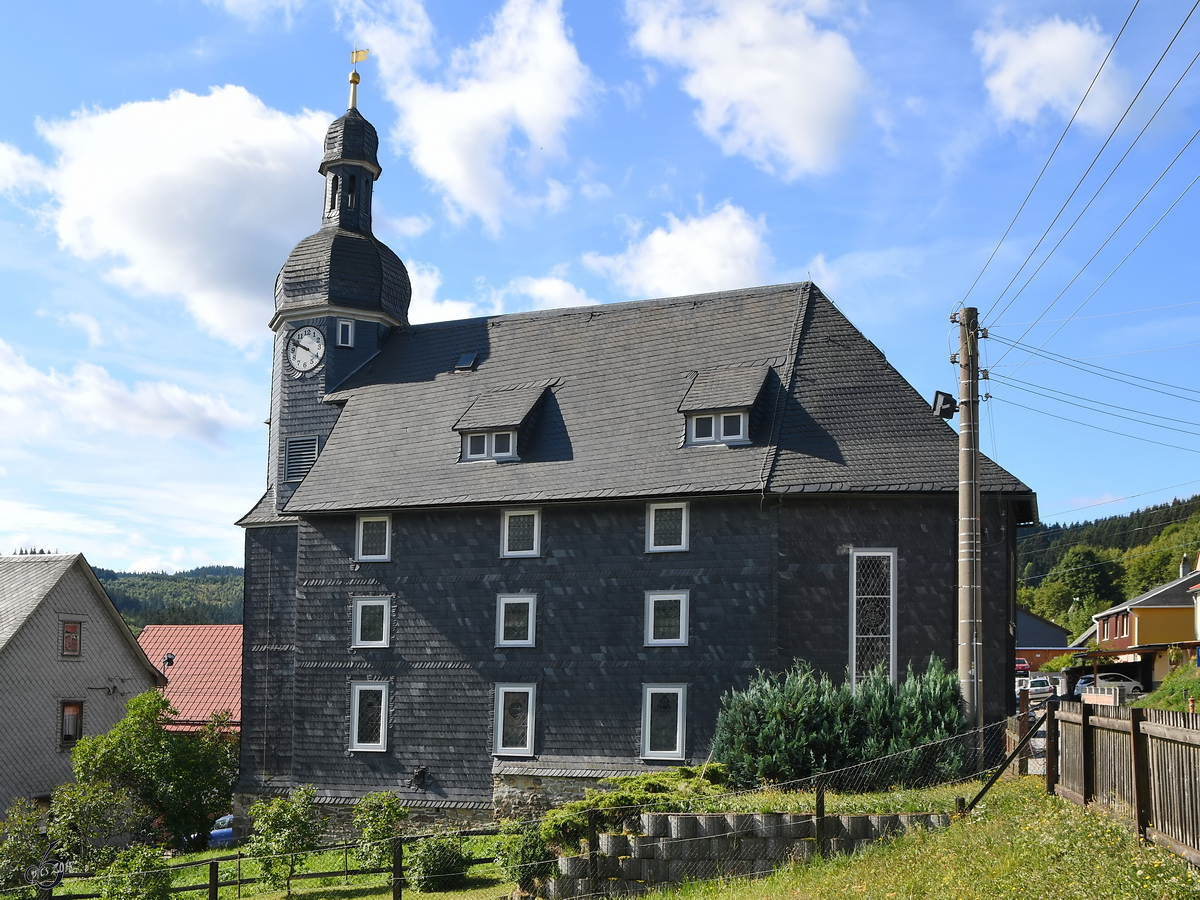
[[1169, 487], [1103, 371], [1124, 259], [1129, 530], [1111, 562], [1091, 165], [1113, 234], [1132, 437], [1030, 387], [1098, 356], [1126, 312], [1050, 158]]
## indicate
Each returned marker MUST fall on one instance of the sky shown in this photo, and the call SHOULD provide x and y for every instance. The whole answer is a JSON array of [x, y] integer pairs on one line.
[[158, 160]]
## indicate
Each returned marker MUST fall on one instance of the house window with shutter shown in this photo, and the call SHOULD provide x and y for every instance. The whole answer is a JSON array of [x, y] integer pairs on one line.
[[872, 612], [301, 454]]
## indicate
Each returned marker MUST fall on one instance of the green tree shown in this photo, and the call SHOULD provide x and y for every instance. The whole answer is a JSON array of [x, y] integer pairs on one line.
[[377, 817], [87, 819], [184, 778], [21, 845], [139, 873], [284, 829], [1157, 562], [1086, 581]]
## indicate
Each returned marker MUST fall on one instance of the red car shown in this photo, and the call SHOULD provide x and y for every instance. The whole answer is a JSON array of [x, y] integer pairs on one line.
[[1022, 666]]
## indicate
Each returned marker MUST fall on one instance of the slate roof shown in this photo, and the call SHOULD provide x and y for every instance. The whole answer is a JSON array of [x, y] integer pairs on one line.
[[264, 513], [351, 137], [504, 408], [206, 676], [833, 415], [26, 580], [344, 268], [1173, 593], [728, 388]]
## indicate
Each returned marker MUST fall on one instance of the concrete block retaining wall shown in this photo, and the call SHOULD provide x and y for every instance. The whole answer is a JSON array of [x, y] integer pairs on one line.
[[675, 848]]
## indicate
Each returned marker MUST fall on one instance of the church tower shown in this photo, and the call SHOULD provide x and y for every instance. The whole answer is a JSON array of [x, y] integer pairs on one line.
[[337, 298]]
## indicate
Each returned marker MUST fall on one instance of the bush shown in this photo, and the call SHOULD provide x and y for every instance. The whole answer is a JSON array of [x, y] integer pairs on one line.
[[89, 822], [436, 863], [137, 874], [377, 817], [284, 829], [790, 725], [21, 846], [524, 856]]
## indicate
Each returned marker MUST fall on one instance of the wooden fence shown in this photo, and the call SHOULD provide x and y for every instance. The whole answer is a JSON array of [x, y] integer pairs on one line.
[[1141, 764]]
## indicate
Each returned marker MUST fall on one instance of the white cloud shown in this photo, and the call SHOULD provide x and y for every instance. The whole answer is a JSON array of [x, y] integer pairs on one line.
[[772, 86], [426, 307], [88, 325], [255, 11], [550, 292], [35, 404], [19, 172], [723, 250], [1050, 65], [523, 77], [405, 226], [195, 197]]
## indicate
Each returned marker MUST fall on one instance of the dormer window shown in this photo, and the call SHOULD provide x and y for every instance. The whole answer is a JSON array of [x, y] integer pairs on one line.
[[719, 427], [345, 333], [490, 445]]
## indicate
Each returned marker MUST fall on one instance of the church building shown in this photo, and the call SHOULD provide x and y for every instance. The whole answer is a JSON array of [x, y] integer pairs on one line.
[[500, 558]]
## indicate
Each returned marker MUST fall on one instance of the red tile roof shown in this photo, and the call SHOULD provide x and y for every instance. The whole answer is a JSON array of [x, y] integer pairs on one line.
[[206, 676]]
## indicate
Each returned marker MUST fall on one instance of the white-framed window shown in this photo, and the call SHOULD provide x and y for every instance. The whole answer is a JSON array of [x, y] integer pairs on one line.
[[521, 532], [516, 620], [666, 527], [730, 426], [490, 445], [372, 622], [345, 333], [373, 540], [666, 618], [368, 715], [664, 708], [514, 719], [300, 454], [872, 612]]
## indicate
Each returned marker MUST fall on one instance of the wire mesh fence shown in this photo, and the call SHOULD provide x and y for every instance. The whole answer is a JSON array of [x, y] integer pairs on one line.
[[601, 848]]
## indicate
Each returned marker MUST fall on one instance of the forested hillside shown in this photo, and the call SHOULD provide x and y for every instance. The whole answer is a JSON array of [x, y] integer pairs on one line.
[[209, 595], [1071, 572]]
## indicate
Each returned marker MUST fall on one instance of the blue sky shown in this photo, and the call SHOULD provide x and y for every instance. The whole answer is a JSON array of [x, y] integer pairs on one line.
[[158, 160]]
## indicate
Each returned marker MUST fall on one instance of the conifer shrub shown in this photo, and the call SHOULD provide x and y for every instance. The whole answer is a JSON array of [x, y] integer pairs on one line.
[[789, 725], [436, 863], [523, 856]]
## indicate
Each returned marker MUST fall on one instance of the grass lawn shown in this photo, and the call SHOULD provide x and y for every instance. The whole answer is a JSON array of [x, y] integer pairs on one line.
[[1181, 683]]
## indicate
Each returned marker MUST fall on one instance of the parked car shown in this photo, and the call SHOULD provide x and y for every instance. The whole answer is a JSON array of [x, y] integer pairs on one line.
[[1022, 666], [228, 831], [1109, 679], [1040, 687]]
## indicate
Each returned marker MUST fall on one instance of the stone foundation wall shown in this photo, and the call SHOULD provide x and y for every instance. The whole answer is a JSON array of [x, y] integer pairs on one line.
[[530, 796], [677, 848]]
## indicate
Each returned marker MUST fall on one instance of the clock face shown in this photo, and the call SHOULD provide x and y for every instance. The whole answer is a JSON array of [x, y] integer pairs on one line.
[[306, 348]]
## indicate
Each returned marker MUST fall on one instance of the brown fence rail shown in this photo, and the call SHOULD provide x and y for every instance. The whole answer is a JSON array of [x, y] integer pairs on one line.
[[1141, 764]]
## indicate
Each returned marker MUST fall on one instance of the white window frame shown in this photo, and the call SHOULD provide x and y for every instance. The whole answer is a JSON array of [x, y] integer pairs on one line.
[[358, 535], [360, 602], [684, 598], [489, 441], [680, 751], [467, 454], [855, 554], [503, 600], [356, 689], [651, 508], [349, 325], [537, 533], [527, 749], [718, 435]]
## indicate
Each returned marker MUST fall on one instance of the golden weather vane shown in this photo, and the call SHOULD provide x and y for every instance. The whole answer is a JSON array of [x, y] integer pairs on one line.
[[356, 56]]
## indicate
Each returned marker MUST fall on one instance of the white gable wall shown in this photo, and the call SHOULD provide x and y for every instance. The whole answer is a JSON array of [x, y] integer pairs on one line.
[[36, 678]]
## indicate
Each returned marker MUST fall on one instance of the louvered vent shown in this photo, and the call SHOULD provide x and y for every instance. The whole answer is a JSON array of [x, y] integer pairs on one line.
[[301, 454]]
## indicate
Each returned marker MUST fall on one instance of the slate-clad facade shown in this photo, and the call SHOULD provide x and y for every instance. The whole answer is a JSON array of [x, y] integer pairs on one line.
[[679, 491]]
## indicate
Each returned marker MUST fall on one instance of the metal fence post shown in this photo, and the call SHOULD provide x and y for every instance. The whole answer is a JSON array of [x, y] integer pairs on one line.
[[397, 866], [1140, 762], [820, 819], [1051, 745]]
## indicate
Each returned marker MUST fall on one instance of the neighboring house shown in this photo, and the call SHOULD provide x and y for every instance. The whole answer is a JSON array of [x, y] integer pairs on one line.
[[500, 557], [68, 663], [1144, 629], [204, 665], [1039, 640]]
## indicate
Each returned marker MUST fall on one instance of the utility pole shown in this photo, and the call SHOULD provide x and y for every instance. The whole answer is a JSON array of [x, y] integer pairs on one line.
[[970, 611]]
